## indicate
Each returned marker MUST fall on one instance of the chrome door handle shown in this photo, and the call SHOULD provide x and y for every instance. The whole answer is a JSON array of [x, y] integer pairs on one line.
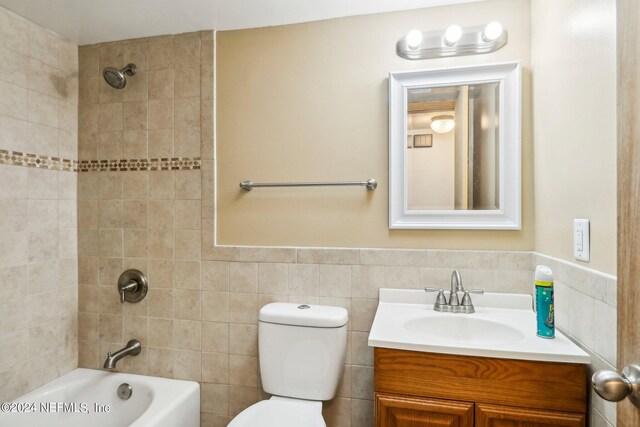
[[614, 387]]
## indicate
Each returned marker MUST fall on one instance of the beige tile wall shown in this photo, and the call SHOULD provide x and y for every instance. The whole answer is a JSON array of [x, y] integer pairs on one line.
[[38, 89], [158, 113], [38, 240], [586, 310]]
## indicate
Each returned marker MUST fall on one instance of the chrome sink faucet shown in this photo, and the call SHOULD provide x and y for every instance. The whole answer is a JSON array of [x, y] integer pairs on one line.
[[133, 348], [454, 305]]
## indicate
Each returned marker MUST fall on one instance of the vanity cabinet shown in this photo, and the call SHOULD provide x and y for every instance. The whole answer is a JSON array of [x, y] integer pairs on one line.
[[498, 416], [400, 411], [416, 389]]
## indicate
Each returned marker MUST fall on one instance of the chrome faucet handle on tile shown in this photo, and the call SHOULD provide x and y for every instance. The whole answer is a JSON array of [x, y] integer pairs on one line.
[[441, 300], [132, 286]]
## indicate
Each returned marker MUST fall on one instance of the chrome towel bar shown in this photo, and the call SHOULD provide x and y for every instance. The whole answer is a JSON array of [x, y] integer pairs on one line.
[[371, 184]]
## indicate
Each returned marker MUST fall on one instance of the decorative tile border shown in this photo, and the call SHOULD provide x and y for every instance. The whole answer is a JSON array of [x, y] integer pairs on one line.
[[17, 158], [174, 163]]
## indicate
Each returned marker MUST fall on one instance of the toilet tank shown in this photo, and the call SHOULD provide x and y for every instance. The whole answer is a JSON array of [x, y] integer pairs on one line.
[[302, 349]]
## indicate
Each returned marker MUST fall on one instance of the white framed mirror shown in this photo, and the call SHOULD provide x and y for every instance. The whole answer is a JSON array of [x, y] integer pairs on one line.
[[455, 147]]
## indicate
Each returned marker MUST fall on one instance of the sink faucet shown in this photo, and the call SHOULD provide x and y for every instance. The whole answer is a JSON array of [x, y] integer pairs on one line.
[[454, 305], [133, 348], [456, 285]]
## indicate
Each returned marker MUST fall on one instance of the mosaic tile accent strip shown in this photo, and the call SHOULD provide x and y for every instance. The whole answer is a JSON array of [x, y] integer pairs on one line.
[[161, 164], [17, 158]]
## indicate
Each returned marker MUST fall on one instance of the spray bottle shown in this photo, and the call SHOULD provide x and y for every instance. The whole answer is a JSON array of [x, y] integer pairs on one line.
[[544, 302]]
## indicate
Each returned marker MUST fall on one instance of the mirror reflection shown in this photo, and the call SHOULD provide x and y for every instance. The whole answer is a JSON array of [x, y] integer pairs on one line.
[[452, 151]]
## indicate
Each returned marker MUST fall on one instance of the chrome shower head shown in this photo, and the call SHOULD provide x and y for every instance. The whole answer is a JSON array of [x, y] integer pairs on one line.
[[117, 78]]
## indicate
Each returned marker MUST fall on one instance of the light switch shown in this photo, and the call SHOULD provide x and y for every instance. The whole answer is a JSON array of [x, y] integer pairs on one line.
[[581, 246]]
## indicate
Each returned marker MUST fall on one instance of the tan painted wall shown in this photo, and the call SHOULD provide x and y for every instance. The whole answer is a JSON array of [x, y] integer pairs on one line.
[[574, 81], [426, 166], [309, 102]]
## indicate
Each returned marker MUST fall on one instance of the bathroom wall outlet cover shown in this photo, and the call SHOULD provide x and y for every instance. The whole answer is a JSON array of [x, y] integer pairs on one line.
[[581, 247]]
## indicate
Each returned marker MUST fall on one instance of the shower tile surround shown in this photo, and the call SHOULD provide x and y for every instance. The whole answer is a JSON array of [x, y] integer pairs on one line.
[[38, 230], [145, 200]]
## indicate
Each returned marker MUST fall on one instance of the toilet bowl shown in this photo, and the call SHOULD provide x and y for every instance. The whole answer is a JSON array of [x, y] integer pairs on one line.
[[302, 350], [281, 412]]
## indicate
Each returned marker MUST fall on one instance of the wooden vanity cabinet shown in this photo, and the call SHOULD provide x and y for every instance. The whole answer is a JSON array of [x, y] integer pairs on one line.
[[498, 416], [402, 411], [415, 389]]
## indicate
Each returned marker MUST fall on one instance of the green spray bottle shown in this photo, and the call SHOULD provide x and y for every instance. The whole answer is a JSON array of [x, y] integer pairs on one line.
[[544, 302]]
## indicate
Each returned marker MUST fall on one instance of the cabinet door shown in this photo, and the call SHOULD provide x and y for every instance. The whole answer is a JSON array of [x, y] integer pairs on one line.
[[505, 416], [401, 411]]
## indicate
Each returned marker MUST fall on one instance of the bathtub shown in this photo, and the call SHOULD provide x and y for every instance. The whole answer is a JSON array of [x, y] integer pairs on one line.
[[89, 398]]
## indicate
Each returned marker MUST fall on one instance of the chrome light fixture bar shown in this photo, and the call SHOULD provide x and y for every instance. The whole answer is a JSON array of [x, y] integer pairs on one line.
[[450, 42]]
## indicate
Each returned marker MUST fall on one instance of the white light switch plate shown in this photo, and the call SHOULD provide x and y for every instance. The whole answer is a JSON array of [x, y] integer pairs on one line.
[[581, 247]]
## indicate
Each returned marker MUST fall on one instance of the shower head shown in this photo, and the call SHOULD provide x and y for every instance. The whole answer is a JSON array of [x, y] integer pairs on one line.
[[117, 78]]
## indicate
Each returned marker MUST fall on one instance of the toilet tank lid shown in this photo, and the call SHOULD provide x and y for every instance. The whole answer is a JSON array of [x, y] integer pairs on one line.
[[312, 315]]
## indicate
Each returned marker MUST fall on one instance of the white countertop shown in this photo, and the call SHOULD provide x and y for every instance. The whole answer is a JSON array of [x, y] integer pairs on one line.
[[514, 338]]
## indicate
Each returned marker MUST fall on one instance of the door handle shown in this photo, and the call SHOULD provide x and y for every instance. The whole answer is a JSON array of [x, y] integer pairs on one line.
[[614, 387]]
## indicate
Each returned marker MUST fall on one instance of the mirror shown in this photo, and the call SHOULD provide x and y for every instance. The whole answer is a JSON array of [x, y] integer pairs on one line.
[[455, 148], [454, 135]]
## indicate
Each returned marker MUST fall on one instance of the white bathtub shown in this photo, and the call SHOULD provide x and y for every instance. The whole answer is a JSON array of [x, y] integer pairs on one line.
[[80, 399]]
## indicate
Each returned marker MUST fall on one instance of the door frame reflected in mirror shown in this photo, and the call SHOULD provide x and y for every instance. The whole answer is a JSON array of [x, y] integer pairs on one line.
[[508, 215]]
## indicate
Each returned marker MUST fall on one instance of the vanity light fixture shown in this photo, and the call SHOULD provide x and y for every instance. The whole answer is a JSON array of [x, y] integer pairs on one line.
[[452, 35], [492, 31], [443, 124], [414, 38], [453, 41]]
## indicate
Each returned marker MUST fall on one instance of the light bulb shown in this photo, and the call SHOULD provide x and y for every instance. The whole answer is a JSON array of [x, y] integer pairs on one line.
[[452, 35], [442, 124], [414, 38], [492, 31]]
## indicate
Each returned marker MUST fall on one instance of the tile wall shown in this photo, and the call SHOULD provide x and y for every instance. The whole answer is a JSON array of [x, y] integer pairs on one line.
[[586, 310], [38, 230]]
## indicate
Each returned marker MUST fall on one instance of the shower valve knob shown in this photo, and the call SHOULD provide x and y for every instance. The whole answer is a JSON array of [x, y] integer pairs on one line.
[[132, 286]]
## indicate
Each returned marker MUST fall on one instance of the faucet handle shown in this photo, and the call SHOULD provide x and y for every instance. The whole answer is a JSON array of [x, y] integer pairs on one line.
[[466, 298], [131, 286], [441, 300]]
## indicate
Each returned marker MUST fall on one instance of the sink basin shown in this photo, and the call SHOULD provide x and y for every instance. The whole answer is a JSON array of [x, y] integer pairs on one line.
[[463, 329], [503, 326]]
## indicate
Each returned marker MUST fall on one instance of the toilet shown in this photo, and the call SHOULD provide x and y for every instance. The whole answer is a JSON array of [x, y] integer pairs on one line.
[[302, 351]]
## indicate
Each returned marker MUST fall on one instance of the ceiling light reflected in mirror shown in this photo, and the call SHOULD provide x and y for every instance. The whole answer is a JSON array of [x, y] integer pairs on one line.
[[443, 124]]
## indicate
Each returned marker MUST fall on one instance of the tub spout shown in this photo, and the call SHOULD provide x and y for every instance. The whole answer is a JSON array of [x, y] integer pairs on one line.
[[132, 348]]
